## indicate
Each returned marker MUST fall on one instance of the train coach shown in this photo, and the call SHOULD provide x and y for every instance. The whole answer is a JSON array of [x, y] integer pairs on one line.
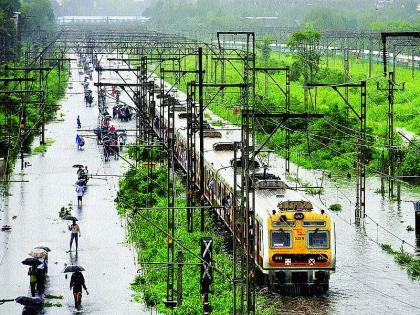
[[294, 241]]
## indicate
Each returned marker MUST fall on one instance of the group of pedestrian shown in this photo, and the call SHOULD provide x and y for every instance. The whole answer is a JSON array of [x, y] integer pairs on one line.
[[77, 281], [122, 112]]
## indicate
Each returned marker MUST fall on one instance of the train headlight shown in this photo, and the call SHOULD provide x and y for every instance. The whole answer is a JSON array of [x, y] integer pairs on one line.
[[299, 216]]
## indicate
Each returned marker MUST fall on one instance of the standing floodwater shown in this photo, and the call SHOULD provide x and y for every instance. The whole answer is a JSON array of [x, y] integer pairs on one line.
[[32, 210]]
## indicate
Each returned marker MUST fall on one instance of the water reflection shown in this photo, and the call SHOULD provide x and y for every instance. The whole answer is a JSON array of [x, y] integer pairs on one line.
[[314, 305], [74, 258]]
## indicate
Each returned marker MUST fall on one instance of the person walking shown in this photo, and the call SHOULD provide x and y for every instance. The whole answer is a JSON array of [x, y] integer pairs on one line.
[[78, 141], [79, 124], [32, 280], [77, 282], [79, 191], [74, 234]]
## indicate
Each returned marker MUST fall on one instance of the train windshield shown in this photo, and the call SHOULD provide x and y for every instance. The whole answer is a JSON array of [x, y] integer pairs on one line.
[[280, 239], [318, 239]]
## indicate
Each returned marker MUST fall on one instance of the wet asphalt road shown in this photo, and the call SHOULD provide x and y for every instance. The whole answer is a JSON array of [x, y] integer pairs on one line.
[[108, 260]]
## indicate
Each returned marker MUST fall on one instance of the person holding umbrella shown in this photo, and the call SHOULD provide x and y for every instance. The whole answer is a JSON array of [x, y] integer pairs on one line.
[[77, 282], [75, 233]]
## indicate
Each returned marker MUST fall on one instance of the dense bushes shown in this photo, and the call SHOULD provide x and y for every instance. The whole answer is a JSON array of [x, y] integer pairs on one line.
[[55, 91]]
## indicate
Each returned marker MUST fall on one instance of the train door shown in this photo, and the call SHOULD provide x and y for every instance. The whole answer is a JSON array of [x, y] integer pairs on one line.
[[259, 250]]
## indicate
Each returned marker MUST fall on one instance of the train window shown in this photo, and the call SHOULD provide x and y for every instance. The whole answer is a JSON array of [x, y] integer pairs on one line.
[[318, 239], [313, 223], [281, 239], [281, 223]]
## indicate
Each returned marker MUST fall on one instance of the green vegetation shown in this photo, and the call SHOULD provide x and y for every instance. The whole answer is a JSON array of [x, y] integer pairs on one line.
[[64, 212], [20, 114], [307, 57], [147, 231], [56, 90], [52, 296], [37, 15], [327, 143], [406, 260], [42, 148], [336, 207], [52, 304], [7, 28]]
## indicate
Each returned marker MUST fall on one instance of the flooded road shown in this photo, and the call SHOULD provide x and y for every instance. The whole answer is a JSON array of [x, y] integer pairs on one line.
[[32, 210]]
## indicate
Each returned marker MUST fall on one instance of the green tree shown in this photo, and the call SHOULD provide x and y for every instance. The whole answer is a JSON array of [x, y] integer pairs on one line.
[[37, 14], [410, 165], [7, 28], [265, 48], [9, 7], [304, 45]]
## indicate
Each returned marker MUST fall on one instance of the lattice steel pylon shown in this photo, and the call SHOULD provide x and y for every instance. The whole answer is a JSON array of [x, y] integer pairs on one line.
[[191, 156]]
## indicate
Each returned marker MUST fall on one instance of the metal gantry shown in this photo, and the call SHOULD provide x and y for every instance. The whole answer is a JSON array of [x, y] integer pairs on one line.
[[165, 56], [399, 42]]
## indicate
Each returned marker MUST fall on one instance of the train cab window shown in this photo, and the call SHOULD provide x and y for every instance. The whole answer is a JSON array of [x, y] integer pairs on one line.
[[281, 239], [318, 239]]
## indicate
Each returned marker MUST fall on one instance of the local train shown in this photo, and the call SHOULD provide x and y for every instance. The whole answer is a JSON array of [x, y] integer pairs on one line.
[[295, 249]]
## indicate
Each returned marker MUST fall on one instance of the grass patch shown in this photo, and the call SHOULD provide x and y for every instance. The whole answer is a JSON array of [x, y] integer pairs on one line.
[[52, 304], [61, 117], [64, 212], [52, 296], [336, 207], [404, 259], [42, 148]]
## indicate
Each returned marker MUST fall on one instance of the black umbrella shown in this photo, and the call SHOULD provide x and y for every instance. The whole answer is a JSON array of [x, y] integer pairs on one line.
[[31, 262], [28, 301], [78, 165], [73, 269], [70, 218]]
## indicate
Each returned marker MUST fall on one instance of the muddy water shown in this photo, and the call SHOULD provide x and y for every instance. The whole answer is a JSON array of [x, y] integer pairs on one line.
[[32, 211], [367, 279]]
